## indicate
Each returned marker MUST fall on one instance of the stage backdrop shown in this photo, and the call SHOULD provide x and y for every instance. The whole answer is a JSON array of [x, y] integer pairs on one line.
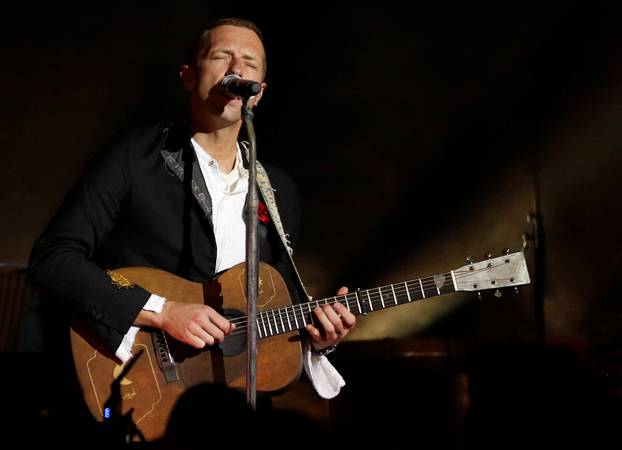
[[418, 136]]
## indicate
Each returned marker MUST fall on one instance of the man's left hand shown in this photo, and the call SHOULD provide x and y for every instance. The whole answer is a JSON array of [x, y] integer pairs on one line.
[[334, 322]]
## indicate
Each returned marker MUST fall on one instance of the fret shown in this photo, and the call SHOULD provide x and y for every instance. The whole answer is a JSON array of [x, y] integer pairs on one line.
[[347, 302], [311, 318], [270, 322], [421, 285], [295, 317], [276, 324], [394, 296], [448, 285], [358, 303], [371, 306], [269, 326], [431, 290], [258, 328], [381, 299], [453, 279], [265, 332], [387, 294], [408, 291], [281, 318], [302, 314], [289, 324]]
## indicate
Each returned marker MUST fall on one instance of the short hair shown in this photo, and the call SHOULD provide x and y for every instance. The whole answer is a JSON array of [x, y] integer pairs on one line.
[[194, 53]]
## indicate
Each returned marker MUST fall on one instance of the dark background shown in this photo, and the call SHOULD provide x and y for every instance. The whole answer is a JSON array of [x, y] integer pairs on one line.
[[418, 135]]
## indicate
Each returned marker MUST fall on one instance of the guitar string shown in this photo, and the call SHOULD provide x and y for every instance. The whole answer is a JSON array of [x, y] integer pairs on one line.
[[376, 302], [428, 283], [375, 298], [278, 315], [352, 296]]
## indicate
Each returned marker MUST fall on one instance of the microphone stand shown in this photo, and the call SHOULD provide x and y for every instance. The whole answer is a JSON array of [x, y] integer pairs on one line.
[[120, 429], [535, 219], [252, 261]]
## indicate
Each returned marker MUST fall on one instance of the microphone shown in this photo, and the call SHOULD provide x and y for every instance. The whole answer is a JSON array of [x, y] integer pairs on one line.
[[234, 86]]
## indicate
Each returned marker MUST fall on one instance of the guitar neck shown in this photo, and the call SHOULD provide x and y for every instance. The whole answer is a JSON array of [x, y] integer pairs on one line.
[[295, 317]]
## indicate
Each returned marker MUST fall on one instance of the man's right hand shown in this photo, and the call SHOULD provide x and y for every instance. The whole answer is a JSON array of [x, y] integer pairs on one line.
[[193, 324]]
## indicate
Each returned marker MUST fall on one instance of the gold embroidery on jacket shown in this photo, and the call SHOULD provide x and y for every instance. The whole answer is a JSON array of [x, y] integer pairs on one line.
[[119, 280]]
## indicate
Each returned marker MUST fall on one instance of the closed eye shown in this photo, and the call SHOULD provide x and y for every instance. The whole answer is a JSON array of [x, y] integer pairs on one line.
[[220, 55]]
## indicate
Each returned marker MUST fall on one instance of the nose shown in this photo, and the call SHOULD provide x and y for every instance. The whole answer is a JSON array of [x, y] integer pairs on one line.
[[236, 66]]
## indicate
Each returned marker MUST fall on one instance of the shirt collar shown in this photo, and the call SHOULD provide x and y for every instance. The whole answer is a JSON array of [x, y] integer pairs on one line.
[[209, 160]]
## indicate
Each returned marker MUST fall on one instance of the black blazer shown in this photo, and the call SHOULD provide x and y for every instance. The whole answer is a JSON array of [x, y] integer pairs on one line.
[[132, 208]]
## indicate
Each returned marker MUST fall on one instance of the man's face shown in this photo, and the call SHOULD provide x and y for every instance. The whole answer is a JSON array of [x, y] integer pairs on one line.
[[230, 49]]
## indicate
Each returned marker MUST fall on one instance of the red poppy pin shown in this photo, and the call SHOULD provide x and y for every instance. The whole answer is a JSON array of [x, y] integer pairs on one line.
[[262, 213]]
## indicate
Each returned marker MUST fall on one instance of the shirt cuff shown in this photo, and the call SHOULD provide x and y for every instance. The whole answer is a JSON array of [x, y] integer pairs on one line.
[[124, 351], [323, 375]]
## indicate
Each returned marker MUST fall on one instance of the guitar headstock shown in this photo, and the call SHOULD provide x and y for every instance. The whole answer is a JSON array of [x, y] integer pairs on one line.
[[493, 273]]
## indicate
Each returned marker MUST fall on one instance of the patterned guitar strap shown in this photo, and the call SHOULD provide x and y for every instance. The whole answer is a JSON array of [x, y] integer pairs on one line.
[[267, 191]]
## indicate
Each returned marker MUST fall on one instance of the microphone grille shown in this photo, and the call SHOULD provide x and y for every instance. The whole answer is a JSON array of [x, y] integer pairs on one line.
[[229, 78]]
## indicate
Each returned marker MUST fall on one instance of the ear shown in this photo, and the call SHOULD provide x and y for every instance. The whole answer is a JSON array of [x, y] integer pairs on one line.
[[187, 77], [254, 100]]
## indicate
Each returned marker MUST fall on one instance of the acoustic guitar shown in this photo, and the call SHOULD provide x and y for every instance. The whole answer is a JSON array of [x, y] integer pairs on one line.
[[167, 368]]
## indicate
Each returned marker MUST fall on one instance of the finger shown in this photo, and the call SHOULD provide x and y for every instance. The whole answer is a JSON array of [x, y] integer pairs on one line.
[[342, 290], [327, 326], [203, 321], [216, 333], [198, 337], [194, 341], [211, 316], [313, 332], [334, 318], [347, 318], [218, 320]]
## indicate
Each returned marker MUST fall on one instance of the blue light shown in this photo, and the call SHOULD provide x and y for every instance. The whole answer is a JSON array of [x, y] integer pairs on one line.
[[106, 413]]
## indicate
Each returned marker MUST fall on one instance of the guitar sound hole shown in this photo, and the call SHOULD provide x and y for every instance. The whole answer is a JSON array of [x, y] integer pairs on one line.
[[235, 343]]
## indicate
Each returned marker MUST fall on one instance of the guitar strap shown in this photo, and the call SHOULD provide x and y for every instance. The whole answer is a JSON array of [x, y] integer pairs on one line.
[[267, 192]]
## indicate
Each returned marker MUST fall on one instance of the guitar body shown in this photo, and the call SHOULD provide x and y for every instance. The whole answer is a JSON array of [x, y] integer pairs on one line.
[[167, 368]]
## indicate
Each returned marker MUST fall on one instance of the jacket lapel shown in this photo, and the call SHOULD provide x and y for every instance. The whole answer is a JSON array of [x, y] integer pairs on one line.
[[179, 157]]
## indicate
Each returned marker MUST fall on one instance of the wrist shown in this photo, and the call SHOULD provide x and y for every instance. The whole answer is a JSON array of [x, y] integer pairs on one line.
[[324, 351], [152, 313]]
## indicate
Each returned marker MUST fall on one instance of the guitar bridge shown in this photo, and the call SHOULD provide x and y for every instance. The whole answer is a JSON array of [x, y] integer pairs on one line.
[[164, 356]]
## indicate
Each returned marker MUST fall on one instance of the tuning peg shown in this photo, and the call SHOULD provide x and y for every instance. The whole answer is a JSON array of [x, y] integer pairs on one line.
[[469, 259], [479, 295], [516, 289], [487, 255], [498, 293], [506, 251], [525, 237]]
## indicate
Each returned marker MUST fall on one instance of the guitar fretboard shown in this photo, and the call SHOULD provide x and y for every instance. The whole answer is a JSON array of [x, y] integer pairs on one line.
[[295, 317]]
